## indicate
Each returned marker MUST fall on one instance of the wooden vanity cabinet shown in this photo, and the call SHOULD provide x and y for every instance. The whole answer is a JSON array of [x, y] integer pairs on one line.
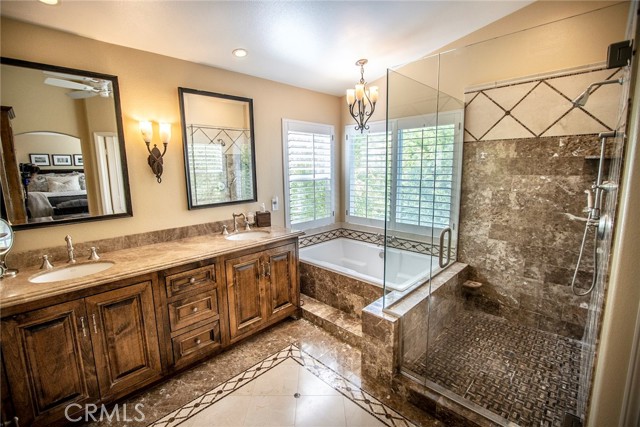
[[262, 288], [82, 351], [192, 306], [125, 339], [101, 344], [49, 362]]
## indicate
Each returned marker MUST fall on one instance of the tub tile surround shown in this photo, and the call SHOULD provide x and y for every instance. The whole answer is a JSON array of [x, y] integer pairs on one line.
[[346, 327], [521, 193], [336, 290], [369, 237]]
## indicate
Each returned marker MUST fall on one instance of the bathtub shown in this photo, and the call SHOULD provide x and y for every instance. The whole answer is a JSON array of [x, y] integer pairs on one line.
[[365, 261]]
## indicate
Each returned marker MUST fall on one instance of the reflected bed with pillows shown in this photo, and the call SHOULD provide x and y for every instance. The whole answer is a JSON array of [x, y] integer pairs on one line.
[[57, 195]]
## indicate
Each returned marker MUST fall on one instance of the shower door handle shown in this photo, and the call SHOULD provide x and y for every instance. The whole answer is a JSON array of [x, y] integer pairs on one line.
[[440, 252]]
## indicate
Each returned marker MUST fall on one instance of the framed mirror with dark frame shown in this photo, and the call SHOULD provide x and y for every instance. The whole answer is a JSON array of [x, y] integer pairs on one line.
[[219, 148], [63, 152]]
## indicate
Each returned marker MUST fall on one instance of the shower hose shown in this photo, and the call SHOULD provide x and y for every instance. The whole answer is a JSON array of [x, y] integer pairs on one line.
[[595, 260]]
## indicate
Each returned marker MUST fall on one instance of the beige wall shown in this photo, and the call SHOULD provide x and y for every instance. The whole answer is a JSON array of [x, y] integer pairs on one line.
[[38, 107], [46, 143], [149, 90]]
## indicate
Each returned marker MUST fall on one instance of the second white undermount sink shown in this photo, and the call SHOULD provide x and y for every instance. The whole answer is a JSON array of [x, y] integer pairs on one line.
[[73, 271], [247, 235]]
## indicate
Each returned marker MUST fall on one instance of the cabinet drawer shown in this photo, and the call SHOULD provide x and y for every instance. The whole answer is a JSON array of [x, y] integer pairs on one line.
[[197, 343], [191, 310], [191, 280]]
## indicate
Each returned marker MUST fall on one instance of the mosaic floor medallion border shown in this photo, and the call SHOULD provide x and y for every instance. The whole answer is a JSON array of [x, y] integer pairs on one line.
[[364, 400]]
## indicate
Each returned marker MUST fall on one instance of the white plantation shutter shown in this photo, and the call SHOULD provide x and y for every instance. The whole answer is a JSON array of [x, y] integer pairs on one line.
[[207, 171], [367, 157], [425, 175], [421, 172], [309, 183]]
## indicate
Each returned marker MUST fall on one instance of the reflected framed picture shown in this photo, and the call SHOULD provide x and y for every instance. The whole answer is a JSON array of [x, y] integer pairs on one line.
[[77, 160], [61, 159], [39, 159]]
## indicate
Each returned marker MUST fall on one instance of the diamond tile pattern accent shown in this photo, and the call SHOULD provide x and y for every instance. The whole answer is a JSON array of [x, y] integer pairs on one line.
[[525, 375], [355, 394], [542, 107], [363, 236]]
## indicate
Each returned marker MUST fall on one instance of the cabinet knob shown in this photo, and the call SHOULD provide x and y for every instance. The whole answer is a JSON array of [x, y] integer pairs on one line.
[[194, 310], [197, 341], [192, 280]]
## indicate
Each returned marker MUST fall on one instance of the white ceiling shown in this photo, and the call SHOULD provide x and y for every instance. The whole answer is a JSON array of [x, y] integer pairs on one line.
[[309, 44]]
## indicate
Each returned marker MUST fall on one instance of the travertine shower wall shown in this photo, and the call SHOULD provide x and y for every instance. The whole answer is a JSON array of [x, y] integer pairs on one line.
[[528, 158]]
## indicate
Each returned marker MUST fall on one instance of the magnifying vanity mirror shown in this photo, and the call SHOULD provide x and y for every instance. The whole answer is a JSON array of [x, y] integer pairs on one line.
[[219, 151], [63, 156], [6, 242]]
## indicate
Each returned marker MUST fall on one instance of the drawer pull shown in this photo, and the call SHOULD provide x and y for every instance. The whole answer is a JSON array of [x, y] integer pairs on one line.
[[194, 310], [197, 341], [192, 280], [95, 326]]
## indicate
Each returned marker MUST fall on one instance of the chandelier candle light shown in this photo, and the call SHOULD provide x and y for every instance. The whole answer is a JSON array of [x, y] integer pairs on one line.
[[362, 100]]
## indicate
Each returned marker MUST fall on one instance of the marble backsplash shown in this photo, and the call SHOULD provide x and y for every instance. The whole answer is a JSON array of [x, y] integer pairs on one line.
[[58, 254]]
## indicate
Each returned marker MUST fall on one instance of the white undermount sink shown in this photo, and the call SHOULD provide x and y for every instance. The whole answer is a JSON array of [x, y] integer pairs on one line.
[[71, 272], [247, 235]]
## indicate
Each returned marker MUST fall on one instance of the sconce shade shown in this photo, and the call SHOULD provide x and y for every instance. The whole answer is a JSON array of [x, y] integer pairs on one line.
[[165, 132], [146, 129]]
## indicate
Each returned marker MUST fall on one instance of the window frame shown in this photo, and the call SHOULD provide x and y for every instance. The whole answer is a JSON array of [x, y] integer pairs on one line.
[[316, 128]]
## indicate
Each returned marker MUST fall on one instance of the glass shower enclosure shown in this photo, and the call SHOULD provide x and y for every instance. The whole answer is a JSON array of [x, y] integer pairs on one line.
[[509, 207]]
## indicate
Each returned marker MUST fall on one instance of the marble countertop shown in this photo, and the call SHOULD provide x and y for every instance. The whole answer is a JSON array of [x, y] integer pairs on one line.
[[130, 263]]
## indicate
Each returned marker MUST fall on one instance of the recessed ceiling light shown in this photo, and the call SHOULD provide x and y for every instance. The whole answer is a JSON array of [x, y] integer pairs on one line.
[[49, 2], [240, 53]]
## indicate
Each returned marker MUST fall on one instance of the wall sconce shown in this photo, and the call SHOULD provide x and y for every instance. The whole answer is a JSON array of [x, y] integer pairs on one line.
[[155, 157]]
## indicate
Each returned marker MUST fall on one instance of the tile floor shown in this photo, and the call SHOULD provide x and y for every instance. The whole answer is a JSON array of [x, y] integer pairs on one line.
[[527, 376], [333, 355], [289, 388]]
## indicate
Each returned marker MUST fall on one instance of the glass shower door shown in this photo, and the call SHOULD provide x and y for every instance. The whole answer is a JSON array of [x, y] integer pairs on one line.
[[423, 186]]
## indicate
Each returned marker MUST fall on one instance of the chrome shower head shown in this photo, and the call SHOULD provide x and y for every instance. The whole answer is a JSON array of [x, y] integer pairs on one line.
[[582, 99]]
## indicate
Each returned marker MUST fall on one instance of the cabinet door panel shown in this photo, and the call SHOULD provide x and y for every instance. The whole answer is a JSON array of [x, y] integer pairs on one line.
[[281, 277], [125, 338], [245, 296], [49, 361]]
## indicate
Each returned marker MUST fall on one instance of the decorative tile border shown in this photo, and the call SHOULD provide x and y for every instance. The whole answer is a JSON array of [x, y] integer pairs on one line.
[[354, 393], [364, 236], [542, 106]]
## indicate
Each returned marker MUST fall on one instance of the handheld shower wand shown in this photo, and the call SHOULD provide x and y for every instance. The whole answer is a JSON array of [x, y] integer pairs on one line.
[[600, 223], [582, 99]]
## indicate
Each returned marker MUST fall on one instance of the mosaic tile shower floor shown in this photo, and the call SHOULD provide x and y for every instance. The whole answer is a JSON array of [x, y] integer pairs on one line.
[[527, 376]]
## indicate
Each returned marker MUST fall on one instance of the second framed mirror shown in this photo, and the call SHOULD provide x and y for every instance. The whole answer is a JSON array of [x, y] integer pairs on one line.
[[219, 148]]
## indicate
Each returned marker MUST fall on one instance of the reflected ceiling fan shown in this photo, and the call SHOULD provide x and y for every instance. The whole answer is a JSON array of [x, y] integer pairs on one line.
[[84, 87]]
